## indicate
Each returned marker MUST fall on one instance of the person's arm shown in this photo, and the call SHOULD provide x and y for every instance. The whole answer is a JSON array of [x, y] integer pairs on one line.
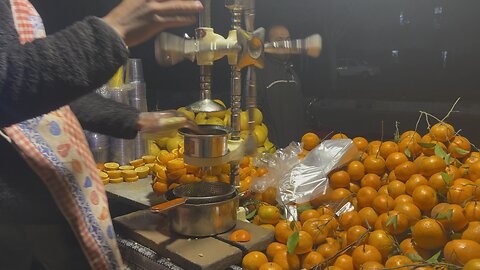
[[40, 76], [98, 114]]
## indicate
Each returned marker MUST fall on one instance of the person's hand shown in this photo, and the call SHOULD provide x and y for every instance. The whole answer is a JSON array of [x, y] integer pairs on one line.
[[164, 122], [138, 20]]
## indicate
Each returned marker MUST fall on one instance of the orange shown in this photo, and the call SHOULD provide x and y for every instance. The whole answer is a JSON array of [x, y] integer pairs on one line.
[[383, 203], [356, 170], [473, 264], [396, 188], [270, 196], [429, 234], [432, 165], [439, 184], [472, 211], [268, 226], [365, 253], [308, 214], [412, 145], [372, 266], [459, 147], [329, 249], [413, 182], [318, 230], [261, 172], [354, 233], [412, 212], [349, 219], [225, 178], [310, 141], [268, 214], [456, 221], [439, 208], [468, 160], [361, 143], [354, 188], [431, 151], [418, 162], [253, 260], [173, 185], [287, 261], [374, 148], [374, 164], [312, 259], [244, 184], [408, 247], [339, 136], [339, 179], [175, 164], [474, 171], [366, 195], [405, 170], [424, 197], [383, 241], [176, 174], [383, 190], [283, 230], [240, 236], [442, 132], [403, 199], [344, 262], [459, 194], [368, 217], [305, 243], [371, 180], [164, 157], [325, 210], [472, 232], [461, 251], [391, 176], [321, 227], [187, 178], [270, 266], [409, 134], [160, 187], [476, 189], [339, 194], [342, 239], [273, 248], [395, 159], [398, 260], [387, 148], [393, 221]]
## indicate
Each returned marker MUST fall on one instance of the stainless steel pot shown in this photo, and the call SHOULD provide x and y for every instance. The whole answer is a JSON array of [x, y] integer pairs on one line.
[[212, 143], [200, 220], [201, 209]]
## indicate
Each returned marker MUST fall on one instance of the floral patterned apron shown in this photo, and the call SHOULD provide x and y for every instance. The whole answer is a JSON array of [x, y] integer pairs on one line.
[[55, 147]]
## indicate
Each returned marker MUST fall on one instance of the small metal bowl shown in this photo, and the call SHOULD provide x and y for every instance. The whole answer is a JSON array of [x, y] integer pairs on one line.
[[212, 143]]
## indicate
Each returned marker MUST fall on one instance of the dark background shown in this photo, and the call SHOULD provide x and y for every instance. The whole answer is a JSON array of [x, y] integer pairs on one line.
[[418, 79]]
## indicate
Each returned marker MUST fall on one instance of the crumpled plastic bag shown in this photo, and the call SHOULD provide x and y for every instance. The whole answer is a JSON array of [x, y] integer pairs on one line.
[[278, 165], [309, 178], [301, 181]]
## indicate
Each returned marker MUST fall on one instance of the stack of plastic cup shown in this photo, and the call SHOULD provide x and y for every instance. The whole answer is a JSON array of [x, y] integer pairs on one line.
[[99, 144], [137, 97], [122, 151]]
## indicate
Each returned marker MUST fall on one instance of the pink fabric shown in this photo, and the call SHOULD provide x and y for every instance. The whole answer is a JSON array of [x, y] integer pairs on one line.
[[55, 147]]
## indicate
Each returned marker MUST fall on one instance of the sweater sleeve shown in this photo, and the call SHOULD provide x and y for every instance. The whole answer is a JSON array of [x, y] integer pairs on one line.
[[106, 116], [43, 75]]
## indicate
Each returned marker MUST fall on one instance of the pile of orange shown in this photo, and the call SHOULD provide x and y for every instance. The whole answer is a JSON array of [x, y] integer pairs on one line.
[[415, 203], [169, 171]]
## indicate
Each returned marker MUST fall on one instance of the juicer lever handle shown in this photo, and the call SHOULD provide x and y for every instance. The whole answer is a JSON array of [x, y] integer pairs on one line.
[[168, 205]]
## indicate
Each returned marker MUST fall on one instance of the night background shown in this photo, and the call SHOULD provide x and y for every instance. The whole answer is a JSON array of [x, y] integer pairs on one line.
[[426, 52]]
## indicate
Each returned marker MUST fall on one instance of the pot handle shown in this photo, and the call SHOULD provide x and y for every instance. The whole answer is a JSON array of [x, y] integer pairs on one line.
[[167, 205]]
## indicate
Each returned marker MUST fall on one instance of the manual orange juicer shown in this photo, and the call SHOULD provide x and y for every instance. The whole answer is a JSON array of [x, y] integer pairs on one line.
[[244, 48]]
